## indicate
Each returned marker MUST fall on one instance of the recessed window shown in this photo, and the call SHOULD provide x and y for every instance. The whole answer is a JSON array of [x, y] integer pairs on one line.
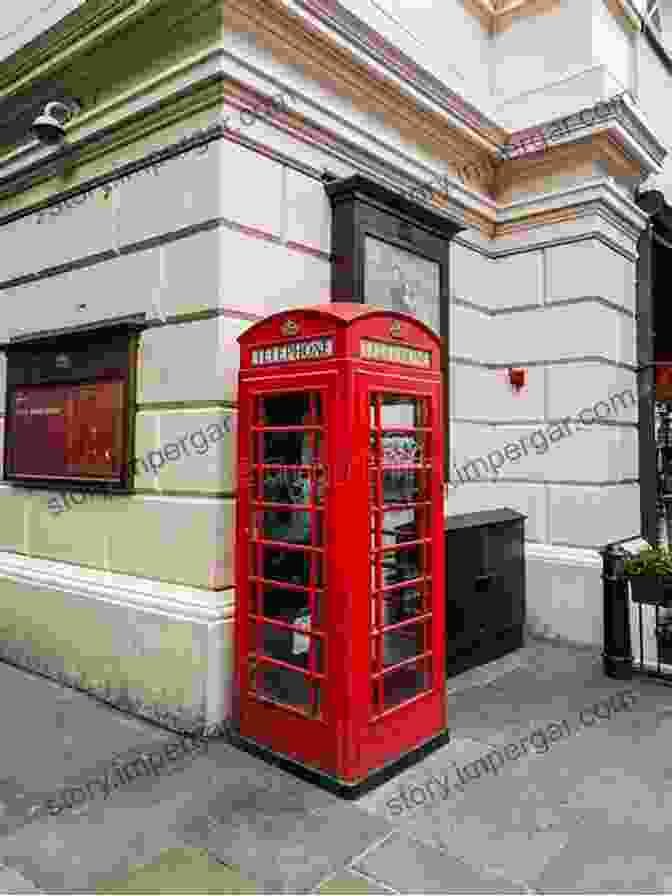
[[68, 409]]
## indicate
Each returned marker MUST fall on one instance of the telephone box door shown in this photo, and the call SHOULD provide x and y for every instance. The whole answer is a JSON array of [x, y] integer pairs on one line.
[[401, 658], [282, 616]]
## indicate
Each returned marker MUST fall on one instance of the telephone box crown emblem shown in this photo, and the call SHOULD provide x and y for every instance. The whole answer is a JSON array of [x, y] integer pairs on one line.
[[290, 328], [395, 329]]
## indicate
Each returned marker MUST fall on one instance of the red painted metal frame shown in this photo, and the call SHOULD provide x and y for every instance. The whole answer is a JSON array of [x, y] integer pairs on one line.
[[349, 739]]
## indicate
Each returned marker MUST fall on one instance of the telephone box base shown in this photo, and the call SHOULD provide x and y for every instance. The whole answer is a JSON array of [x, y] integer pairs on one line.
[[334, 785]]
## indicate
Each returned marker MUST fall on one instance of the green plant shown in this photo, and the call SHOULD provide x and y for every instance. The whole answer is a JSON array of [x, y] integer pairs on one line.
[[650, 562]]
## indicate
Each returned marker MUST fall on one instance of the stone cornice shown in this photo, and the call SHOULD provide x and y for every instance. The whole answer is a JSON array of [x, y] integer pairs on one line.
[[624, 142], [397, 64], [499, 15], [328, 39], [596, 196], [93, 21]]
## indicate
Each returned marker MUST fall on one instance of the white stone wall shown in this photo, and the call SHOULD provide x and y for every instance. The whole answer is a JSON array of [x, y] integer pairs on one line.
[[565, 312], [225, 231]]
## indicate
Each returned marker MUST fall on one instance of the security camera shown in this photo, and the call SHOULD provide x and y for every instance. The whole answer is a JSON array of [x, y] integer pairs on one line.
[[48, 127]]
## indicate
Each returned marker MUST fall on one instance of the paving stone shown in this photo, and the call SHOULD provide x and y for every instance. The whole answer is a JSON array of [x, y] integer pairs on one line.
[[56, 732], [348, 884], [506, 823], [414, 867], [482, 675], [69, 851], [13, 882], [178, 870], [289, 852], [438, 767], [531, 810], [528, 697], [610, 859]]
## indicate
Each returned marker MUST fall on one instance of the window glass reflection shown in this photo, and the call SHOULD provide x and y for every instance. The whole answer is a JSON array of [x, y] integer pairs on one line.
[[286, 645], [289, 687], [399, 566], [290, 409], [402, 604], [403, 486], [402, 448], [402, 411], [405, 683], [281, 565], [293, 527], [293, 448], [403, 644], [400, 525]]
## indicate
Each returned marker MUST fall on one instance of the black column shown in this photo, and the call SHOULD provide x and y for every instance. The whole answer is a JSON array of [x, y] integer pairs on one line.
[[617, 653]]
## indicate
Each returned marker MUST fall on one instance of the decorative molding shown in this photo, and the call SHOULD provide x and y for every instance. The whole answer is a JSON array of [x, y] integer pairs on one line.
[[582, 557], [291, 37], [190, 721], [297, 41], [594, 197], [507, 11], [497, 16], [341, 21], [176, 602], [71, 33]]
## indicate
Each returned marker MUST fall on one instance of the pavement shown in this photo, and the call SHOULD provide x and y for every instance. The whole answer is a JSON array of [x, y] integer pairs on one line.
[[554, 781]]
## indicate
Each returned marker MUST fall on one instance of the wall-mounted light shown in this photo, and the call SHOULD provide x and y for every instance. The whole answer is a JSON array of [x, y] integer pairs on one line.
[[517, 378], [49, 126]]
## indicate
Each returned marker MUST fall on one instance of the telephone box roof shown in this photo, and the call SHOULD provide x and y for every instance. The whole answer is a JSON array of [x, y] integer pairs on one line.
[[339, 312]]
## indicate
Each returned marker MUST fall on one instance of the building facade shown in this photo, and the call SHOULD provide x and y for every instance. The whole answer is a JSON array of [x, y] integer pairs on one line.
[[189, 199]]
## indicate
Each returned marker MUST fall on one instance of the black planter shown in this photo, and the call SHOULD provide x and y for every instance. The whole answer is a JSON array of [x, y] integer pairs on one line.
[[654, 590]]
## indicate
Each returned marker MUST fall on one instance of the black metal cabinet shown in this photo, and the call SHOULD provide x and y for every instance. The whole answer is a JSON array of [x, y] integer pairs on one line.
[[485, 587]]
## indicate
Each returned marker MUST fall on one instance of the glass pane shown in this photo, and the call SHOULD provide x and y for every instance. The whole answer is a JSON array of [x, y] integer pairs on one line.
[[401, 525], [289, 448], [75, 430], [283, 604], [289, 606], [289, 687], [403, 448], [404, 486], [294, 527], [402, 281], [405, 683], [402, 604], [286, 486], [403, 411], [286, 566], [403, 643], [290, 409], [284, 644], [402, 565]]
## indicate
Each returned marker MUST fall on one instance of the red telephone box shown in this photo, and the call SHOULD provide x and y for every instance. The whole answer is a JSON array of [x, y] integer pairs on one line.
[[340, 632]]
